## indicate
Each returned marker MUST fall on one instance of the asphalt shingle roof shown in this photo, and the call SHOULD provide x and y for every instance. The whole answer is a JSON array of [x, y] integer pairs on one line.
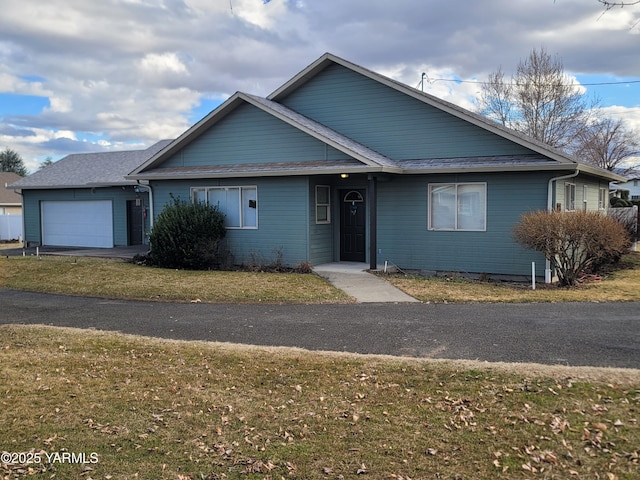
[[9, 196], [90, 169]]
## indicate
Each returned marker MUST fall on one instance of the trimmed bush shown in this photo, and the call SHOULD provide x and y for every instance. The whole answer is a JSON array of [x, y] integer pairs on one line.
[[574, 242], [188, 235]]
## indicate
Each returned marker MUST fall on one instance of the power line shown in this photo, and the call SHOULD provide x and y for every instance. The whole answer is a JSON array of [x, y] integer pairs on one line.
[[591, 84]]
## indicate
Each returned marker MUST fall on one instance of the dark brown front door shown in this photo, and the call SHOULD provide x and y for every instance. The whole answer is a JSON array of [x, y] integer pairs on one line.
[[353, 226], [134, 222]]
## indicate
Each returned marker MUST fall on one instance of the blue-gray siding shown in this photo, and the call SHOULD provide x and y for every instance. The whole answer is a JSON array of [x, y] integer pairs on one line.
[[405, 240], [33, 198], [391, 122], [248, 135], [283, 217], [321, 236], [287, 223]]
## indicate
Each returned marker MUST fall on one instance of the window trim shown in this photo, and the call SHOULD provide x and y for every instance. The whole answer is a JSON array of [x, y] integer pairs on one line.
[[603, 193], [240, 189], [570, 206], [456, 228], [325, 205]]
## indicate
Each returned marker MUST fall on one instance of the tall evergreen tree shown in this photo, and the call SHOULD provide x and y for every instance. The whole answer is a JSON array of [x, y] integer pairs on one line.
[[11, 161]]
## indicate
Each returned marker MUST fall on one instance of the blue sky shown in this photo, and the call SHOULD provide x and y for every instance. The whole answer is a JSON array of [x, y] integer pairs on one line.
[[79, 76]]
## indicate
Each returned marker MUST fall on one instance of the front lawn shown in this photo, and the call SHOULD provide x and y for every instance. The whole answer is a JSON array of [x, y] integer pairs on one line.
[[120, 279], [158, 409], [622, 285]]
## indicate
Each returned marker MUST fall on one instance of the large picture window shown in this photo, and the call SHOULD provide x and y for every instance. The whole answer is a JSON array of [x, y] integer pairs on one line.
[[458, 206], [239, 204]]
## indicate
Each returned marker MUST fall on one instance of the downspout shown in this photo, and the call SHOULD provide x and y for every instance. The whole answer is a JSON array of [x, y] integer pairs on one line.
[[24, 230], [547, 263], [150, 190], [373, 222]]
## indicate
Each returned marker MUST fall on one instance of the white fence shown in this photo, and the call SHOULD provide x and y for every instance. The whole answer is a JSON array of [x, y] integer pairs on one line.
[[629, 217], [11, 227]]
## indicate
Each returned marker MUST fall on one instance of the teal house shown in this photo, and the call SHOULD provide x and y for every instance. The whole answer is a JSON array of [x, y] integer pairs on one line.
[[341, 164]]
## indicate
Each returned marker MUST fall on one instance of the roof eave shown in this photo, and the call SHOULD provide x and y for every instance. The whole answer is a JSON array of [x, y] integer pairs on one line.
[[304, 75], [266, 173], [612, 177], [83, 185], [489, 169]]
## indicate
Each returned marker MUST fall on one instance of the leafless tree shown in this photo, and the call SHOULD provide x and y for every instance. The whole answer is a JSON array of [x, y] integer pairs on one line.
[[538, 100], [607, 144]]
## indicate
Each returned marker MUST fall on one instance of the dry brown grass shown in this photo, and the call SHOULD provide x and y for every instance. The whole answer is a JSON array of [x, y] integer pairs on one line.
[[619, 286], [119, 279], [156, 409]]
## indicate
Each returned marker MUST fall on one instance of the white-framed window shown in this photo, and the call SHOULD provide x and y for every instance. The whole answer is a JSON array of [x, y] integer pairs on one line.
[[458, 206], [569, 196], [602, 198], [323, 204], [239, 204], [585, 197]]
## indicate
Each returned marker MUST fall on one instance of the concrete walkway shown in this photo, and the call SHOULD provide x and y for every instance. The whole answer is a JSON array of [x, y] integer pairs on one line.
[[351, 277], [354, 279]]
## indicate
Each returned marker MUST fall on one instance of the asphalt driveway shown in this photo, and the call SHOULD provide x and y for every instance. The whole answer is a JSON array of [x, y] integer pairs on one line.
[[594, 334]]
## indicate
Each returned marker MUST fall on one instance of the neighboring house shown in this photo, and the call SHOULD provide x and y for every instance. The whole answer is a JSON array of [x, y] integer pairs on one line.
[[632, 185], [10, 201], [84, 200], [10, 208], [343, 164]]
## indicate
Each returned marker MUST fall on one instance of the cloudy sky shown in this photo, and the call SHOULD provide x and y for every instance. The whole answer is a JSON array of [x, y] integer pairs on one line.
[[84, 75]]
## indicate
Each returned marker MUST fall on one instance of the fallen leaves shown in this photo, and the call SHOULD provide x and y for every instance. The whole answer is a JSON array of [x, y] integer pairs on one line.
[[202, 412]]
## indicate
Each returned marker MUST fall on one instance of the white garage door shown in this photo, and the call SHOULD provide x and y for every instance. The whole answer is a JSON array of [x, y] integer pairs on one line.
[[77, 224]]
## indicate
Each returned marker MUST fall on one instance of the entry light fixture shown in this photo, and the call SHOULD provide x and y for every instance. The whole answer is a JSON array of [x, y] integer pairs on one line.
[[344, 175]]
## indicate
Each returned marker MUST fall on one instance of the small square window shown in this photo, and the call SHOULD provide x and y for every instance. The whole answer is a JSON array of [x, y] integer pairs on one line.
[[323, 204]]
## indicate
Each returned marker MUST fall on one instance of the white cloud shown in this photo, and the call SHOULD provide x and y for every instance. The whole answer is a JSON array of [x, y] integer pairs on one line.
[[123, 72], [158, 64]]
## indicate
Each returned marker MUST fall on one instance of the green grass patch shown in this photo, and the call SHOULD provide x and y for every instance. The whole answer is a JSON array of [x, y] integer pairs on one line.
[[119, 279], [156, 409]]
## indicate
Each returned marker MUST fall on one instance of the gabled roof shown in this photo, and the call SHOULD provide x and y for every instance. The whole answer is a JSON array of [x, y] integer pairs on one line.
[[368, 157], [329, 59], [367, 160], [88, 170], [8, 197]]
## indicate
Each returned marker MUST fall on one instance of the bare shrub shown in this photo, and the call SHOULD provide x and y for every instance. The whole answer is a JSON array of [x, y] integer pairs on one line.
[[574, 242]]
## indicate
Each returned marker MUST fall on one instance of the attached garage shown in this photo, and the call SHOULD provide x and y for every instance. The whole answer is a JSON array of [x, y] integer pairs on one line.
[[77, 223]]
